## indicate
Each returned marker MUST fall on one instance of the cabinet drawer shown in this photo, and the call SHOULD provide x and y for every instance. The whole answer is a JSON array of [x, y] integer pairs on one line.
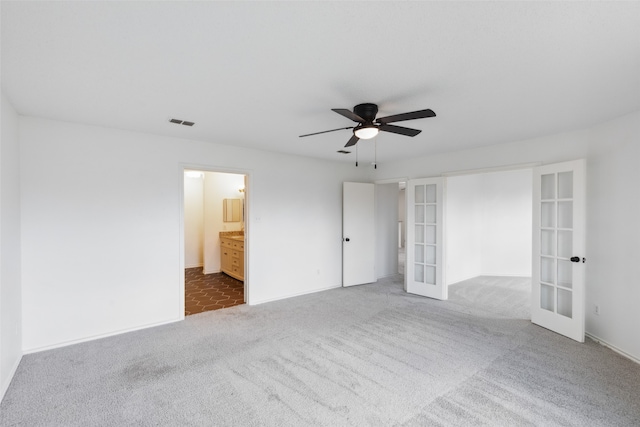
[[226, 243]]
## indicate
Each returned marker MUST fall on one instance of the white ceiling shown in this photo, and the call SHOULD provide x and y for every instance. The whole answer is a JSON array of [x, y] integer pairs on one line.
[[258, 74]]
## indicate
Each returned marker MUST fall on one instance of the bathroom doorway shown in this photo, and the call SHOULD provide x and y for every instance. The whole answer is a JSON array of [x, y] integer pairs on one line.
[[214, 236]]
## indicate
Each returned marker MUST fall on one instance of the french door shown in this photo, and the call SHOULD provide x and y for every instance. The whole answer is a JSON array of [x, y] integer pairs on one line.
[[425, 238], [558, 268]]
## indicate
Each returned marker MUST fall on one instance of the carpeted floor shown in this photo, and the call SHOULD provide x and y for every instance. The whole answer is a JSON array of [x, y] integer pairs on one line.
[[369, 355]]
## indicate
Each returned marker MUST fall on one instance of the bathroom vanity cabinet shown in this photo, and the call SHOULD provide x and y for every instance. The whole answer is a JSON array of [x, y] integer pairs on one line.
[[232, 256]]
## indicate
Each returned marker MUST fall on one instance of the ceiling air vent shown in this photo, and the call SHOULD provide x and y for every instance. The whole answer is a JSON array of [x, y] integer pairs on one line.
[[343, 152], [181, 122]]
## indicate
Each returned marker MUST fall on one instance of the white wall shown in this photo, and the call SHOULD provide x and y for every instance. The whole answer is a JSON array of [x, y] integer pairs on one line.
[[386, 230], [10, 278], [611, 150], [506, 223], [193, 221], [489, 225], [101, 218], [217, 187], [464, 212], [613, 234]]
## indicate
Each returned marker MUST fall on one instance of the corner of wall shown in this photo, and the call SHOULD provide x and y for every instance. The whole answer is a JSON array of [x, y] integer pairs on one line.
[[10, 242]]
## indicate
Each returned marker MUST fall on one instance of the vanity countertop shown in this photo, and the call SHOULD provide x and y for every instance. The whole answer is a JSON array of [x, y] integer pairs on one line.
[[235, 235]]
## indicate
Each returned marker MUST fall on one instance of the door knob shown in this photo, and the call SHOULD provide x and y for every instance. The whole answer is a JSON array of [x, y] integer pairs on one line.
[[347, 239], [575, 259]]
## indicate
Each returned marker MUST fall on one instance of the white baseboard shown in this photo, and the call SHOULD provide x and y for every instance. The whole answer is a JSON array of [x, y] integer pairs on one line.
[[7, 382], [613, 347], [506, 275], [487, 275], [99, 336], [193, 266], [211, 272], [389, 275], [461, 280], [293, 295]]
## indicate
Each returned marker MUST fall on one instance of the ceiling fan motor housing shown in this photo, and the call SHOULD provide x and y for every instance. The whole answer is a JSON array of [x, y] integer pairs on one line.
[[366, 111]]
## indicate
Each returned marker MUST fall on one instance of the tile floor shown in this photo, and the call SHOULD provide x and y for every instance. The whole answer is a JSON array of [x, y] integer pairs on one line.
[[205, 292]]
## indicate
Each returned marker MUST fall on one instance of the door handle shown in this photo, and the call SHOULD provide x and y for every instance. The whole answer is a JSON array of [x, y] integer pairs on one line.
[[346, 239], [577, 259]]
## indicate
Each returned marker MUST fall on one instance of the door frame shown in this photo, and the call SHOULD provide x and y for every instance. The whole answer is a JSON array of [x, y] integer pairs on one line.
[[182, 167]]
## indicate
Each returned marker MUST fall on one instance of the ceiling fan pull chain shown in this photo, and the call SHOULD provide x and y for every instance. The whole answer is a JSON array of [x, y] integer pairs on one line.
[[356, 156], [375, 153]]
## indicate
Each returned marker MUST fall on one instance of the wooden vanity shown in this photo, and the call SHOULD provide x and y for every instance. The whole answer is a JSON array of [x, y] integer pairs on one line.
[[232, 255]]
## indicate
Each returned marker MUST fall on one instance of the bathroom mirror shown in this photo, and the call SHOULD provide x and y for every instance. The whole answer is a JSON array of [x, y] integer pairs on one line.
[[231, 210]]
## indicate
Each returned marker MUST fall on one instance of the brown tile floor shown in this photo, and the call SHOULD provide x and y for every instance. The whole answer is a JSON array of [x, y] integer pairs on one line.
[[205, 292]]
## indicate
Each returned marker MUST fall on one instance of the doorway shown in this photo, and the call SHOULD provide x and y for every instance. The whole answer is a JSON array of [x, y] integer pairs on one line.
[[488, 240], [214, 236], [557, 206]]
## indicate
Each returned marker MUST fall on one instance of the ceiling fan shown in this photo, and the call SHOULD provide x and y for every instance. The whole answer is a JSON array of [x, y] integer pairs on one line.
[[368, 126]]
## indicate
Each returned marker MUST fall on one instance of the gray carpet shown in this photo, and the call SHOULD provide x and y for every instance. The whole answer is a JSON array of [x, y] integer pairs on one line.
[[363, 356]]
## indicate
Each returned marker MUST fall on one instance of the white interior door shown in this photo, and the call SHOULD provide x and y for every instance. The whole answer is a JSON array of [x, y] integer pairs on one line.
[[358, 233], [558, 277], [425, 238]]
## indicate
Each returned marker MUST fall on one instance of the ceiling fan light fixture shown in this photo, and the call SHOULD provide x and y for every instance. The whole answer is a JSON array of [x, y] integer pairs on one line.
[[366, 132]]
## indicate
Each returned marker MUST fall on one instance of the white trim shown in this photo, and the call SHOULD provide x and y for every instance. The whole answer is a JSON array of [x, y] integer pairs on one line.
[[505, 275], [213, 168], [181, 237], [493, 169], [528, 276], [612, 347], [298, 294], [100, 336], [463, 280], [387, 276], [194, 266], [12, 373], [390, 181]]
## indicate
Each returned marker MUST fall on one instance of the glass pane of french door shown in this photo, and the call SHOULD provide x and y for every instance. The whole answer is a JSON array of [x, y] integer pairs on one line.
[[556, 235], [425, 231], [425, 234]]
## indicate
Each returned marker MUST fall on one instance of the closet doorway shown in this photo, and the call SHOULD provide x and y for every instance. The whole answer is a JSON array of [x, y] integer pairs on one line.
[[214, 237]]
